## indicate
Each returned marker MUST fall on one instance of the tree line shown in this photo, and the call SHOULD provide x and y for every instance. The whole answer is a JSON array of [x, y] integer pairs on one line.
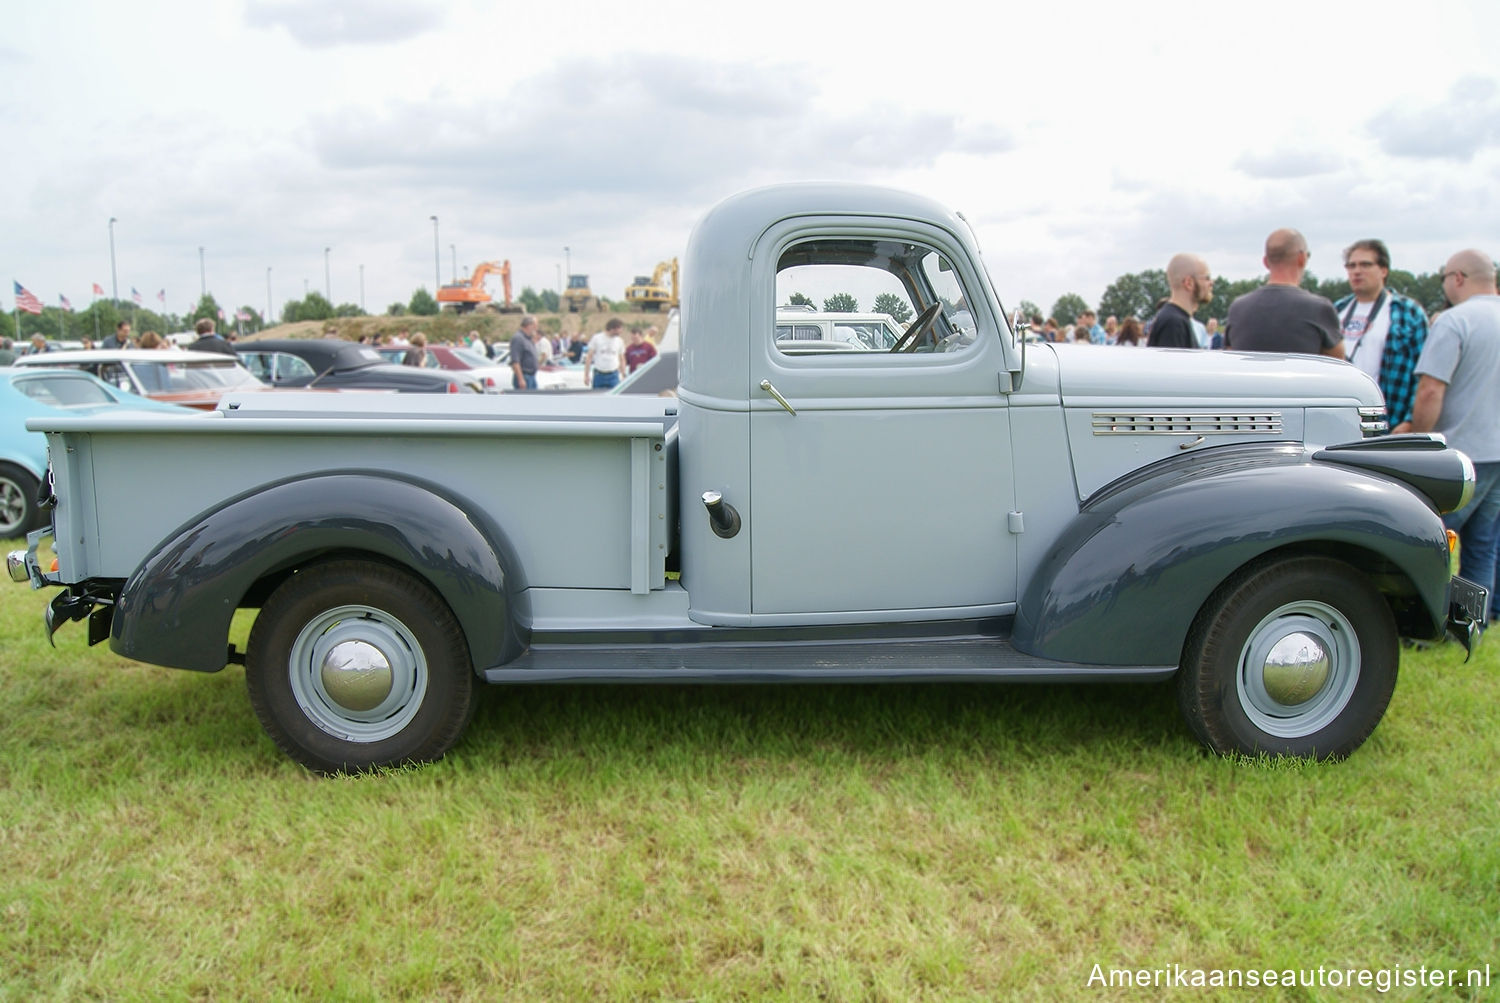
[[98, 319]]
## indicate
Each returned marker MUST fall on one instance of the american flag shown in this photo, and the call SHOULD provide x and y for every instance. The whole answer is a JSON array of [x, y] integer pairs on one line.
[[221, 313], [135, 294], [161, 297], [241, 315], [25, 300], [98, 289], [64, 301]]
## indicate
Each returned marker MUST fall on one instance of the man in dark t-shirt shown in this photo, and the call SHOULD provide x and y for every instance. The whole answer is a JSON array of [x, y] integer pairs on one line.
[[1192, 286], [1281, 316]]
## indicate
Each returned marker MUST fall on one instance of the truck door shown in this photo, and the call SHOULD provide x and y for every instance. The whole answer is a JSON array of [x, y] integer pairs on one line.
[[882, 480]]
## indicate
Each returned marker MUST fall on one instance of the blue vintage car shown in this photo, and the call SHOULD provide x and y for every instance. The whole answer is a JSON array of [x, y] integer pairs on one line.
[[27, 393]]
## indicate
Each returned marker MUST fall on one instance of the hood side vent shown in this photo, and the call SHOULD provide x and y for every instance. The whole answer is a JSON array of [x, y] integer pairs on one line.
[[1186, 423]]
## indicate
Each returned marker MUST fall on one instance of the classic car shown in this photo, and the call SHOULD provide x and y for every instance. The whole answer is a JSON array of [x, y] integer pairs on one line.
[[494, 376], [333, 364], [192, 379], [28, 392]]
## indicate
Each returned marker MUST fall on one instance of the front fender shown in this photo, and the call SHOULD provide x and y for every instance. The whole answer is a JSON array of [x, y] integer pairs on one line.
[[175, 608], [1124, 582]]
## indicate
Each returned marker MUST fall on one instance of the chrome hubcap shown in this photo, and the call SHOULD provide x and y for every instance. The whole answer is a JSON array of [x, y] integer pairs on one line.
[[358, 673], [1298, 669], [1295, 669]]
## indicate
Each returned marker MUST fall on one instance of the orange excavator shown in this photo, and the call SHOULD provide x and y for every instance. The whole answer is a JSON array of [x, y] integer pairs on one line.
[[465, 296]]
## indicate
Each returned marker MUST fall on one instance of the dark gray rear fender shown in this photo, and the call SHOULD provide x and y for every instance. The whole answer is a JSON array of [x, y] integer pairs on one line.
[[176, 607], [1123, 584]]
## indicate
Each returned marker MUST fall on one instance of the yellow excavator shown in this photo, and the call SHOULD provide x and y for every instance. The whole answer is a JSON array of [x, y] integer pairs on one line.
[[470, 293], [652, 293]]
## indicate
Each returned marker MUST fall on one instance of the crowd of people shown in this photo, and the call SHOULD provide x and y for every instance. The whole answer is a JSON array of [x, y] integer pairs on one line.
[[606, 356]]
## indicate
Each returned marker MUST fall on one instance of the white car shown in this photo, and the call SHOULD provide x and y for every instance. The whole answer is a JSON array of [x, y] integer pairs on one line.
[[192, 379], [861, 332]]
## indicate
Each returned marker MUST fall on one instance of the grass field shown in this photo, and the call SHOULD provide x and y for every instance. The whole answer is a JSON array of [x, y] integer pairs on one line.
[[698, 843]]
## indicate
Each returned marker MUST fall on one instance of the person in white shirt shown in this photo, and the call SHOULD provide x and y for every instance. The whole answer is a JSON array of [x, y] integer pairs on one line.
[[605, 356], [1384, 332]]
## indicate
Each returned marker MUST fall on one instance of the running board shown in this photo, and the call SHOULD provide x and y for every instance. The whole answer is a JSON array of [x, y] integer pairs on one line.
[[953, 660]]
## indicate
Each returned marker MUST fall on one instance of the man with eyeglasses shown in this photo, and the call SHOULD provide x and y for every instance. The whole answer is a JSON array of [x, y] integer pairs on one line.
[[1383, 331], [1281, 316], [1458, 394]]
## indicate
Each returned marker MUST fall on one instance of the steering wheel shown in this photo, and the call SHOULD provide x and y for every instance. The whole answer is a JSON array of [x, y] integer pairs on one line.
[[908, 341]]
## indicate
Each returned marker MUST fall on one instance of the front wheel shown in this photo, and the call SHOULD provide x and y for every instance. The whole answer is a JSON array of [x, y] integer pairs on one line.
[[1294, 656], [354, 664]]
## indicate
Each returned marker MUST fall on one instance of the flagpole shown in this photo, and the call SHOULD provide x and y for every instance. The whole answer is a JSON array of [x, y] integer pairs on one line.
[[96, 316]]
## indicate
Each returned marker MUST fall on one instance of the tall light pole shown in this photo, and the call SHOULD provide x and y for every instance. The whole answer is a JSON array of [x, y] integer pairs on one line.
[[454, 251], [268, 296], [437, 268], [114, 281], [327, 276], [568, 257], [202, 275], [559, 282]]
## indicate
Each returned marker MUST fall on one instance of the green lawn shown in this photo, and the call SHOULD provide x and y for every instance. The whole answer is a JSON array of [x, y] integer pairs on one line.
[[793, 843]]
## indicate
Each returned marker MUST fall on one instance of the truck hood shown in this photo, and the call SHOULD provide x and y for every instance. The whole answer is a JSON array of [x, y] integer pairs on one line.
[[1092, 375]]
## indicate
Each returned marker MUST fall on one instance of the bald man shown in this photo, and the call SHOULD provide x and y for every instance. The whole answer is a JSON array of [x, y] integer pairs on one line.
[[1458, 394], [1281, 316], [1191, 286]]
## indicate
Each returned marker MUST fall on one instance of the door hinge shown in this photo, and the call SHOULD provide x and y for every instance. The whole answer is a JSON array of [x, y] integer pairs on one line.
[[1016, 524]]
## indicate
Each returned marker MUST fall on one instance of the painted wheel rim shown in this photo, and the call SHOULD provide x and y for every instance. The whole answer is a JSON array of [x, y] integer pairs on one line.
[[1298, 669], [358, 673]]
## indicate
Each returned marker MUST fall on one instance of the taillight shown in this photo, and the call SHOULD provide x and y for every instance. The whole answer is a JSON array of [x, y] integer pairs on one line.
[[452, 387], [489, 383]]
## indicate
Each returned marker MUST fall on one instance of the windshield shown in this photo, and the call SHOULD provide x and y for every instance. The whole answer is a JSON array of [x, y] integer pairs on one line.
[[471, 359], [64, 391], [179, 377]]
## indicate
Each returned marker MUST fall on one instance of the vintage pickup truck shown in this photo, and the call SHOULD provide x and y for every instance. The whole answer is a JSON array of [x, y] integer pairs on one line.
[[961, 507]]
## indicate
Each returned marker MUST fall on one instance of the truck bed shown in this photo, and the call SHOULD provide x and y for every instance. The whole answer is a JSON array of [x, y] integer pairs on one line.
[[583, 483]]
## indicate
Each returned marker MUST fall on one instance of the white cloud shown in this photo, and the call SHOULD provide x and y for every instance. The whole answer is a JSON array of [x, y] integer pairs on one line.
[[1456, 127], [324, 24]]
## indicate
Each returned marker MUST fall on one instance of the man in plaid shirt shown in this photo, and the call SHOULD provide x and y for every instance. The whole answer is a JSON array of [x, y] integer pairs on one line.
[[1383, 331]]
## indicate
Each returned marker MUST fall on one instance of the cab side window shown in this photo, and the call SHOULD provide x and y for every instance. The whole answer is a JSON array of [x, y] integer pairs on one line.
[[849, 295]]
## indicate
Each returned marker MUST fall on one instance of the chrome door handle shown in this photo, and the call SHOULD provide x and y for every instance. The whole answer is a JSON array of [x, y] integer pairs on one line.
[[766, 386], [1189, 445]]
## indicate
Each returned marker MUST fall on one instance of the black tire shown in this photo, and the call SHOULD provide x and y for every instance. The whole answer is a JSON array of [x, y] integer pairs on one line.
[[1292, 656], [19, 512], [400, 689]]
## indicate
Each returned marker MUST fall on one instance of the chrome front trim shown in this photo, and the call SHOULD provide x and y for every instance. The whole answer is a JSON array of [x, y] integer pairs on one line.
[[1186, 423], [1373, 422]]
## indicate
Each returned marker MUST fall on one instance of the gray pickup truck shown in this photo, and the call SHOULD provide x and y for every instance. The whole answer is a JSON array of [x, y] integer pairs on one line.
[[962, 506]]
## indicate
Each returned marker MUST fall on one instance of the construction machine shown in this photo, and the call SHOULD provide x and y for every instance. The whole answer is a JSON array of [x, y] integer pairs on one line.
[[652, 293], [578, 298], [470, 293]]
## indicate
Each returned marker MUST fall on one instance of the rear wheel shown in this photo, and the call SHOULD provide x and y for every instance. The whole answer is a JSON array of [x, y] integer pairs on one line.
[[1295, 656], [19, 512], [355, 664]]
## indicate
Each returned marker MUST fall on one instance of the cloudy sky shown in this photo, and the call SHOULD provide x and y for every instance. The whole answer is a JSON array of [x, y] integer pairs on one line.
[[1082, 141]]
